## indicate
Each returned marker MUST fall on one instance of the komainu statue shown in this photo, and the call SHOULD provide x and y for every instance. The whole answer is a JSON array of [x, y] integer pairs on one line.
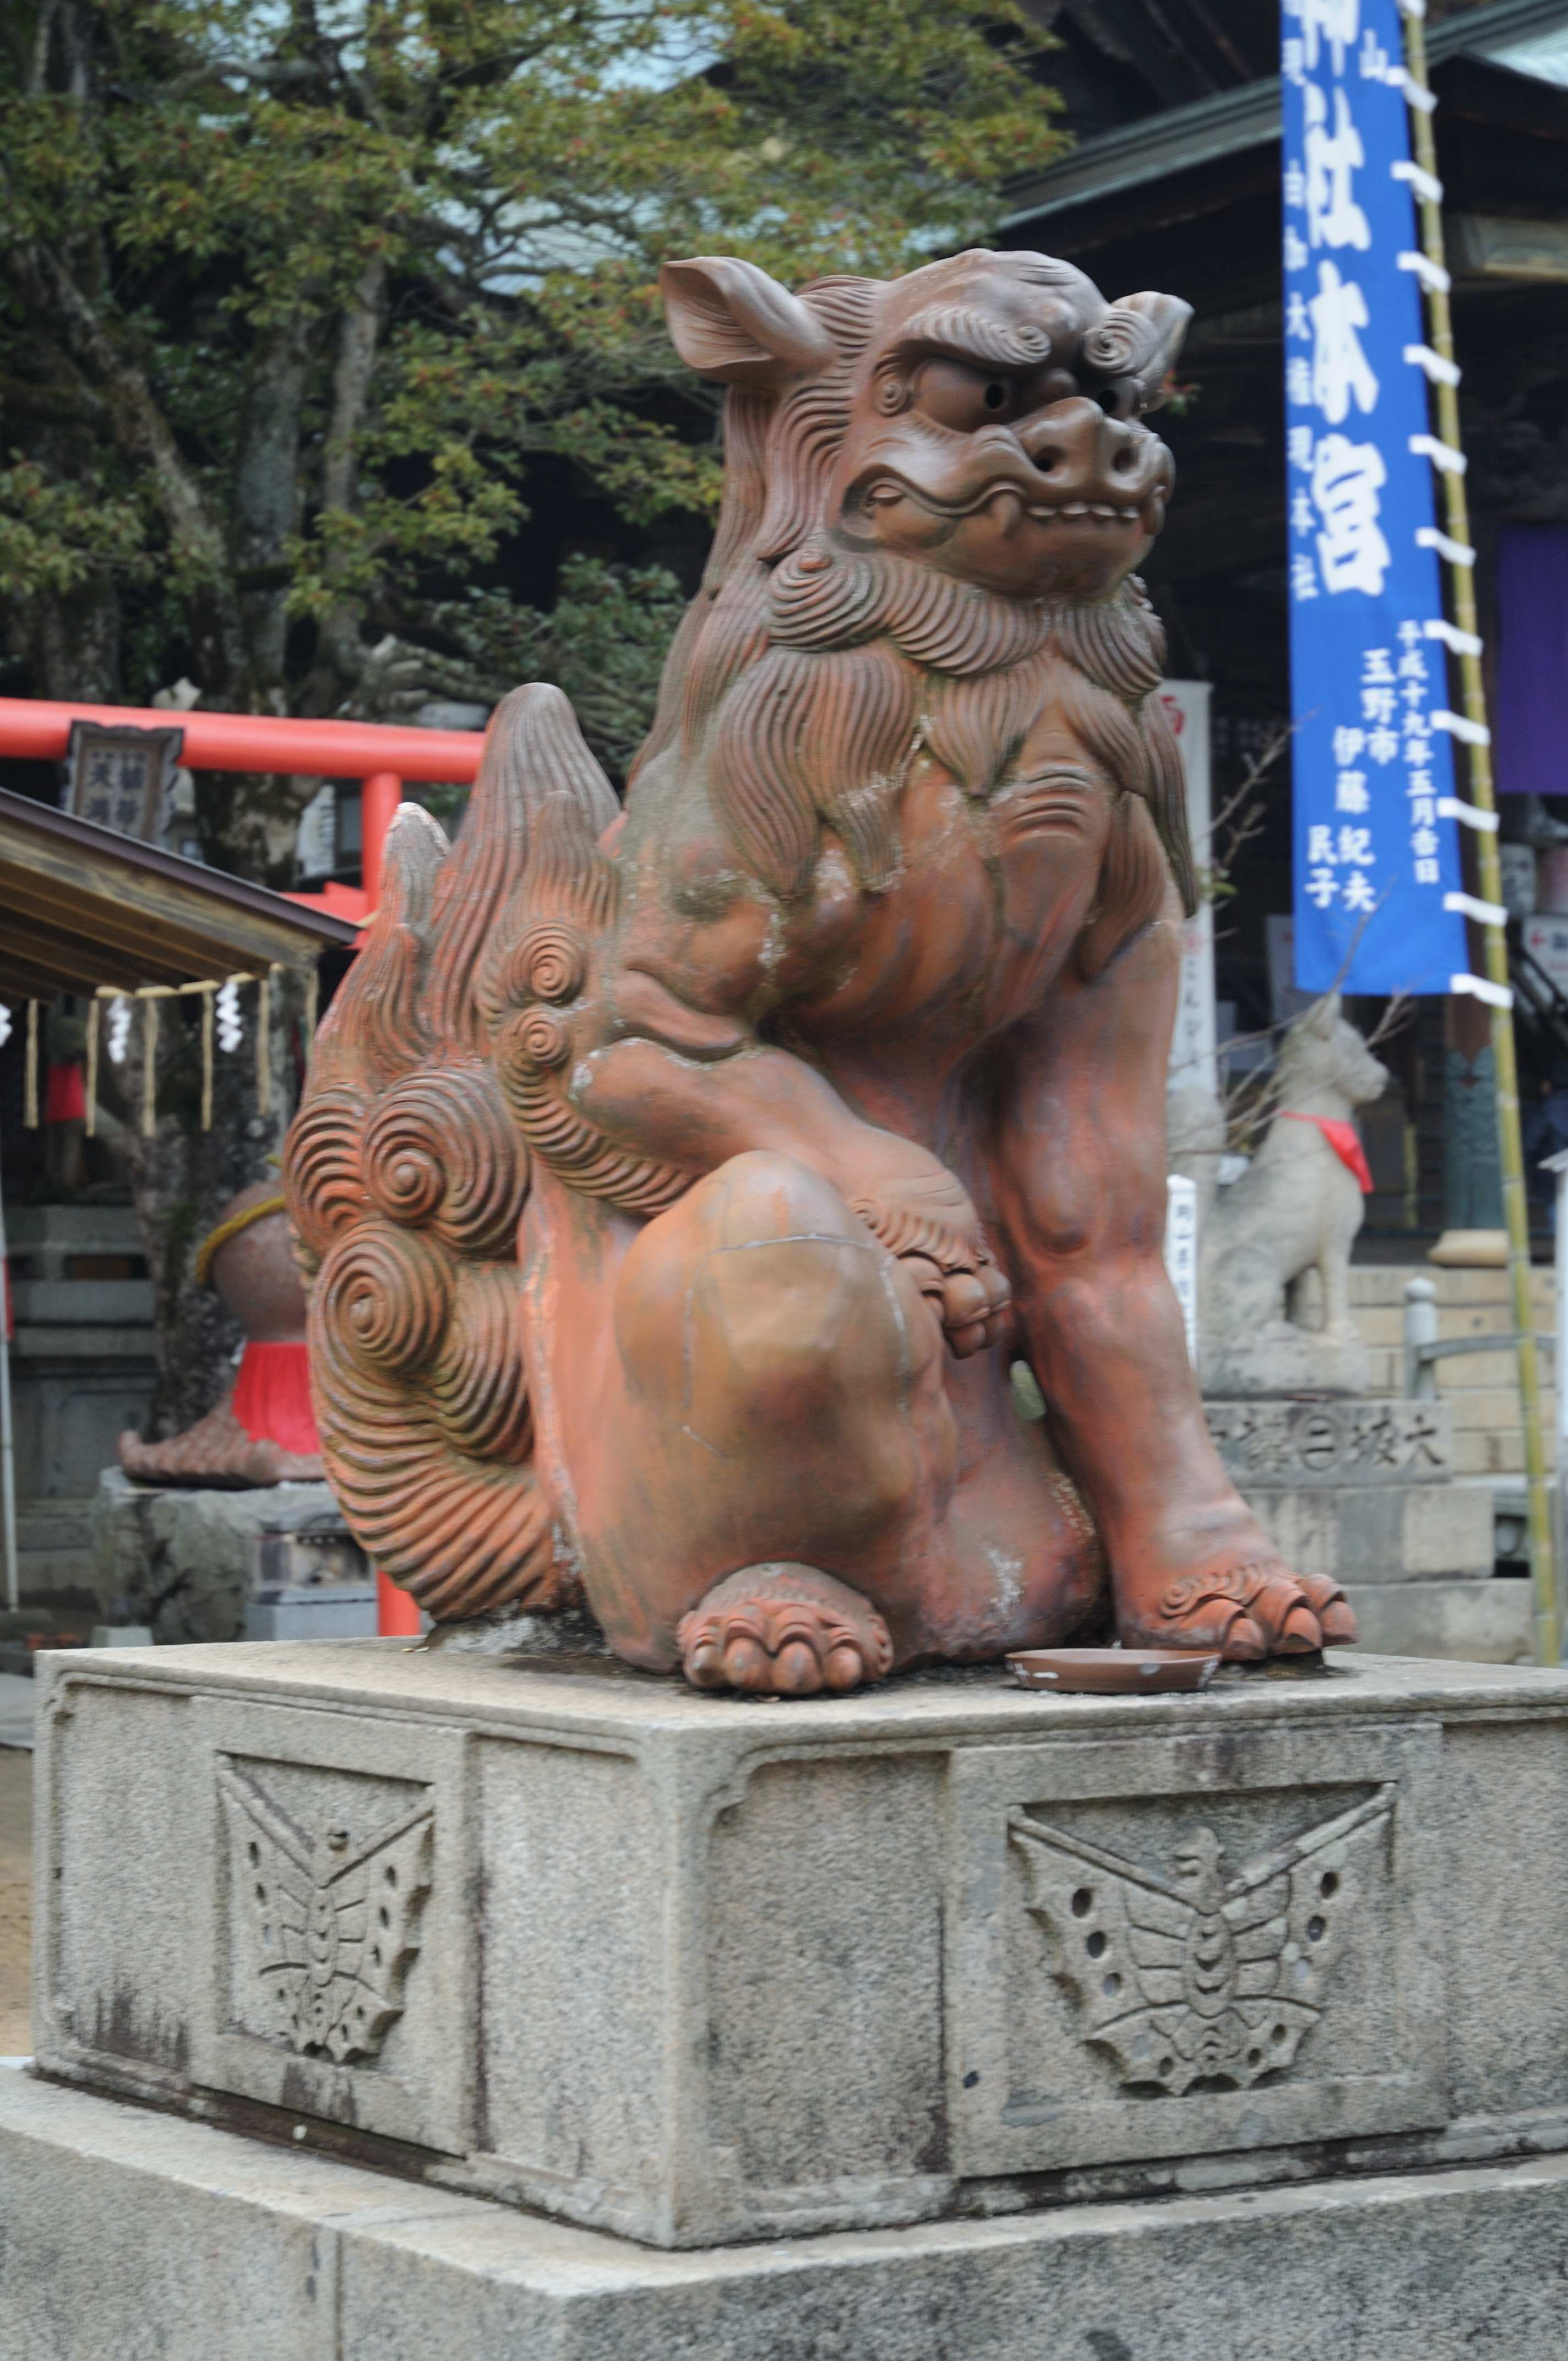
[[1294, 1213], [681, 1182]]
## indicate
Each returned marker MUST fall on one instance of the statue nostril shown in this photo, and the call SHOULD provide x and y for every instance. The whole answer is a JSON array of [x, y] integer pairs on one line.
[[1047, 458], [1122, 463]]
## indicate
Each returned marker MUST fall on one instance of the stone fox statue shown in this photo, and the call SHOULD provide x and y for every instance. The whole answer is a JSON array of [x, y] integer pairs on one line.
[[681, 1182]]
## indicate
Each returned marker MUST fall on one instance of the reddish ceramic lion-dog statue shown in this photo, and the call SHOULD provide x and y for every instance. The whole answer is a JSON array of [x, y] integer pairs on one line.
[[681, 1182]]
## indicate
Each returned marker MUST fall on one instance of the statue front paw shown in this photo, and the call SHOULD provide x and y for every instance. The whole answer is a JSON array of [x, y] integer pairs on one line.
[[784, 1631], [1247, 1608]]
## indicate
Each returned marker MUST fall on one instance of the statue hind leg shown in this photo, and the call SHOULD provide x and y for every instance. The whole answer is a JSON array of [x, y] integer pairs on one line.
[[744, 1410], [743, 1398]]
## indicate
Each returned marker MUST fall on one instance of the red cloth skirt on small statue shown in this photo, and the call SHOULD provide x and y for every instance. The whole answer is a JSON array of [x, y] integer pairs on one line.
[[65, 1095], [272, 1397]]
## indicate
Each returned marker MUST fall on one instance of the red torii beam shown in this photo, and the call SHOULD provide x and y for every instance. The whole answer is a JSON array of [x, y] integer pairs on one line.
[[383, 754]]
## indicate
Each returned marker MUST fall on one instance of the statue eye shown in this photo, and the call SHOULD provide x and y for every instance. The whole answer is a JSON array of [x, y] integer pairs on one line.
[[964, 398]]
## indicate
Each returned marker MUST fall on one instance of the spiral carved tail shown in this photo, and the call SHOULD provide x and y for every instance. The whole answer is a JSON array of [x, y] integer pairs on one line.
[[406, 1177]]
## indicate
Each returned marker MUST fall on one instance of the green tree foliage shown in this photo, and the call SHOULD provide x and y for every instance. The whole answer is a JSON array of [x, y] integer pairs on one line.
[[301, 300]]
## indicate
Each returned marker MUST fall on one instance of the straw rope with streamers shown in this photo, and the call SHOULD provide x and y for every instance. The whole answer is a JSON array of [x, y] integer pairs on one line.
[[148, 1064], [91, 1067], [206, 1062], [206, 988], [30, 1112], [264, 1044], [231, 1229]]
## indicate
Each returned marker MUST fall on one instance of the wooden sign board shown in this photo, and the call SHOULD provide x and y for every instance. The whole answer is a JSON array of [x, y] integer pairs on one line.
[[116, 776]]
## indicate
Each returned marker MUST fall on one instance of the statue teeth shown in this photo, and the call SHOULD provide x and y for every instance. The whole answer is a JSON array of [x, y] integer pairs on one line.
[[1044, 514], [1075, 507], [1102, 510], [1131, 514]]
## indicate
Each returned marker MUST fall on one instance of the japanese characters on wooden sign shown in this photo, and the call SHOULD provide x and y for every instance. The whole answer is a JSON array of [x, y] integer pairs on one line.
[[117, 777], [1376, 853]]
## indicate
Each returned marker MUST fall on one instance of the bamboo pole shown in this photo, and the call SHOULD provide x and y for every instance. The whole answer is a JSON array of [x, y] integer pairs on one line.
[[1477, 745]]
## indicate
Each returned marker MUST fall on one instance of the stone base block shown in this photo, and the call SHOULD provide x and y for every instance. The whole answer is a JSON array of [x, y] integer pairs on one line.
[[1284, 1360], [696, 1969], [1379, 1533], [189, 1561], [333, 1610], [1489, 1622], [129, 2233]]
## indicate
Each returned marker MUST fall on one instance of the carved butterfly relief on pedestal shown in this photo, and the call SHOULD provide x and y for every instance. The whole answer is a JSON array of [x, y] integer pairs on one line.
[[1206, 1975], [337, 1920]]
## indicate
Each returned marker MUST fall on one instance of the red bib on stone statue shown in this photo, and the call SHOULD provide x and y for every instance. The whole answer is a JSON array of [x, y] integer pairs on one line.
[[1345, 1141]]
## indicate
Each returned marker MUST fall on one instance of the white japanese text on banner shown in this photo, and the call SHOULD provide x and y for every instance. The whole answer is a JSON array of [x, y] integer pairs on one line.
[[1374, 853]]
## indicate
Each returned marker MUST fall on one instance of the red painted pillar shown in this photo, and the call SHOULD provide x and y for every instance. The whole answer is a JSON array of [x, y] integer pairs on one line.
[[380, 796], [397, 1615]]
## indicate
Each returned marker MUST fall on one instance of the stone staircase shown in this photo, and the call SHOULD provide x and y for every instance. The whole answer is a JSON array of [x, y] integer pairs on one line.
[[1481, 1389]]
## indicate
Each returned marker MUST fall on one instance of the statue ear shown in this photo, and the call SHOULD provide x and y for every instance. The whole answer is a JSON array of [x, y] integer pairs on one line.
[[1135, 343], [730, 321], [1325, 1016]]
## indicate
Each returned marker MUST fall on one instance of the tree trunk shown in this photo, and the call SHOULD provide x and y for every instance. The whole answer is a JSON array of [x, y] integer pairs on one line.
[[342, 645], [265, 508]]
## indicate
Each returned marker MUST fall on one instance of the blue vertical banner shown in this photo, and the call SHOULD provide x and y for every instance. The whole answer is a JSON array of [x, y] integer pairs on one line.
[[1376, 845]]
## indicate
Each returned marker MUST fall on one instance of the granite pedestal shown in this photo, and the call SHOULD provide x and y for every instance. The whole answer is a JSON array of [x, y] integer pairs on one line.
[[1010, 2021]]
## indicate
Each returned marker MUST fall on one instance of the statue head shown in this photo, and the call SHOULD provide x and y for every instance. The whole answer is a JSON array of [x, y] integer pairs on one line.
[[982, 416], [936, 488], [1323, 1051]]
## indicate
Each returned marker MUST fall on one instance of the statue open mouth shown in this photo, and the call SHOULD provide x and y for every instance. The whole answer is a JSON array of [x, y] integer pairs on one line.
[[1008, 504]]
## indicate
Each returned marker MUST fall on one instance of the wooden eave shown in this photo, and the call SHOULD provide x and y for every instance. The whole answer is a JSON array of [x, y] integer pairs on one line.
[[1206, 156], [82, 907]]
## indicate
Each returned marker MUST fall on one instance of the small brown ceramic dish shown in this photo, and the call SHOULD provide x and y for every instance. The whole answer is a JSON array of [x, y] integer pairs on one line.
[[1112, 1671]]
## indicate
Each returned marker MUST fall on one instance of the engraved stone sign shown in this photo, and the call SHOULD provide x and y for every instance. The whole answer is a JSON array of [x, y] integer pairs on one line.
[[1333, 1443]]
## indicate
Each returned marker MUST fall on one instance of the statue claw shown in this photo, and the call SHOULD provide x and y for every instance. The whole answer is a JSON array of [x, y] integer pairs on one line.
[[1247, 1611], [783, 1631]]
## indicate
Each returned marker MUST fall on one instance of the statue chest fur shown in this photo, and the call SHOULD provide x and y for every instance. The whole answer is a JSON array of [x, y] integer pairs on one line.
[[981, 912]]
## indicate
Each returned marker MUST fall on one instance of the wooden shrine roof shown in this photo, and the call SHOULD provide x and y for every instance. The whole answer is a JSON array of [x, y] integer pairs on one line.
[[81, 906], [1189, 160]]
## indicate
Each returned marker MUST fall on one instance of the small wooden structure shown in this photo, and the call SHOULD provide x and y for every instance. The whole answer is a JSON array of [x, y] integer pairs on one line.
[[82, 906], [85, 910]]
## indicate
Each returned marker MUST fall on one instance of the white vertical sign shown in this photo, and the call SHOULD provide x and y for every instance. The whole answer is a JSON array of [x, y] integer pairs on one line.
[[316, 842], [1182, 1253], [1192, 1062]]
